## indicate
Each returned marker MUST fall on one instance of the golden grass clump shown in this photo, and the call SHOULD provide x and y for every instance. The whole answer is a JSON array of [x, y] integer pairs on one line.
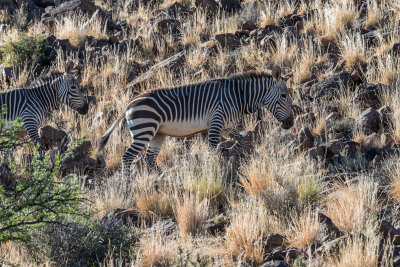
[[358, 252], [244, 240], [190, 214], [77, 28], [304, 230], [350, 207], [155, 250]]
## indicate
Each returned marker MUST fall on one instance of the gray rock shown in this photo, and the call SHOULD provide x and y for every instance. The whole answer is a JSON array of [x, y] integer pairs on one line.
[[331, 87], [209, 5], [166, 226], [85, 6], [368, 95], [166, 26], [386, 114], [305, 135], [369, 121], [227, 40], [249, 25], [275, 264], [272, 241], [44, 3], [51, 136], [230, 5]]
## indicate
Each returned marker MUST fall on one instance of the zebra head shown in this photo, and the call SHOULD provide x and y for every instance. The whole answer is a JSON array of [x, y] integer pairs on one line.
[[70, 94], [279, 102]]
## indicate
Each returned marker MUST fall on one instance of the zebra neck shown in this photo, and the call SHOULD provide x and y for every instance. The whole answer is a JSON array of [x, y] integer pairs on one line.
[[46, 96], [254, 95]]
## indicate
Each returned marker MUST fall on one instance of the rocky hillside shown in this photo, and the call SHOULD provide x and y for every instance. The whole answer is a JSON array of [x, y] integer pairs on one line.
[[323, 193]]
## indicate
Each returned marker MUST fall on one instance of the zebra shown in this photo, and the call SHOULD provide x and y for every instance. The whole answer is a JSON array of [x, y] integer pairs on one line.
[[213, 105], [44, 95]]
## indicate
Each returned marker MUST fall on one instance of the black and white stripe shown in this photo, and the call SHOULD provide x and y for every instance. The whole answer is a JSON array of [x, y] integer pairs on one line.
[[214, 105], [33, 103]]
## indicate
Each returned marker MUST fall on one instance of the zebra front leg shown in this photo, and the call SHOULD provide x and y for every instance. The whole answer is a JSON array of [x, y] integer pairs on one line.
[[31, 126], [214, 131], [152, 152]]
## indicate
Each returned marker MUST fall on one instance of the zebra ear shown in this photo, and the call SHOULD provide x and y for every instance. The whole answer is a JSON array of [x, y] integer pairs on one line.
[[287, 76], [276, 72]]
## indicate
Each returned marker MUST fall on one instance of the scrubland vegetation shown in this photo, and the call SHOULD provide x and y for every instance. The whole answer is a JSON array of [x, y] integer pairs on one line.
[[323, 193]]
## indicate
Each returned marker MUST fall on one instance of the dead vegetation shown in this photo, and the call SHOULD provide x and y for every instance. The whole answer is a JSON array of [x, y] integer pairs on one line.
[[339, 161]]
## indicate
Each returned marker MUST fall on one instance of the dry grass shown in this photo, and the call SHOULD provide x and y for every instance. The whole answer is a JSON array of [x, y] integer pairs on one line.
[[357, 253], [353, 51], [244, 240], [304, 229], [155, 250], [350, 207], [190, 214], [77, 28], [278, 191]]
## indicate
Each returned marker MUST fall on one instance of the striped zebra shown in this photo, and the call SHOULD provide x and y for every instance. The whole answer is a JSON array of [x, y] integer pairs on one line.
[[214, 105], [44, 95]]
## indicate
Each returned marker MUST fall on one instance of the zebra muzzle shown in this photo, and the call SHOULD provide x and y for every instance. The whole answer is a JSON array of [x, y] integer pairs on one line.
[[288, 123], [83, 110]]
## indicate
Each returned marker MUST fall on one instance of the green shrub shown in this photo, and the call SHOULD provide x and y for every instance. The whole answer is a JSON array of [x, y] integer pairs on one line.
[[9, 134], [83, 242], [37, 198], [27, 50]]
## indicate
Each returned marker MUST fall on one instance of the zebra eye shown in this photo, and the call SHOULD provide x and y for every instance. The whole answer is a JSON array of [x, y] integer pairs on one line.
[[283, 95], [73, 87]]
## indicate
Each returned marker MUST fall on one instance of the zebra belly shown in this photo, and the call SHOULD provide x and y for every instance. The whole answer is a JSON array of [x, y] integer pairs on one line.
[[183, 128]]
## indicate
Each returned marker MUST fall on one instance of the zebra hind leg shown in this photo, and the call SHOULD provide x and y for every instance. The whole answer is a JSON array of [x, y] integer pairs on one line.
[[131, 154], [152, 152]]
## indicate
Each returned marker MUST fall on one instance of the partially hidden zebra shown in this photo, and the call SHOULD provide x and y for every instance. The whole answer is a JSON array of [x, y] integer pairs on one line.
[[213, 105], [33, 103]]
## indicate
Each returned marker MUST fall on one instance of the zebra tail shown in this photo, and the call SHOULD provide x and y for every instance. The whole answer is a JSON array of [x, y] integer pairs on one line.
[[123, 125], [106, 135]]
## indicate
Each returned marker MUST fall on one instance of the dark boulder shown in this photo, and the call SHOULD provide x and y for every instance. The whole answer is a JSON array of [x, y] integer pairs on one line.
[[369, 121], [84, 6], [395, 48], [216, 225], [249, 25], [290, 20], [386, 115], [331, 87], [44, 3], [176, 10], [275, 264], [127, 216], [272, 241], [227, 40], [328, 227], [53, 137], [230, 5], [167, 227], [305, 134], [166, 26], [209, 5], [388, 231], [368, 95]]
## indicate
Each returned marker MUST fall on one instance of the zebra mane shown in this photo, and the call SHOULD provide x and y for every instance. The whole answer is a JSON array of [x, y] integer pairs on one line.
[[246, 74], [250, 74], [49, 77]]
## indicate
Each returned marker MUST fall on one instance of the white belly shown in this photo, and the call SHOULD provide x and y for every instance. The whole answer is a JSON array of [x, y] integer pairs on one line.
[[183, 128]]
